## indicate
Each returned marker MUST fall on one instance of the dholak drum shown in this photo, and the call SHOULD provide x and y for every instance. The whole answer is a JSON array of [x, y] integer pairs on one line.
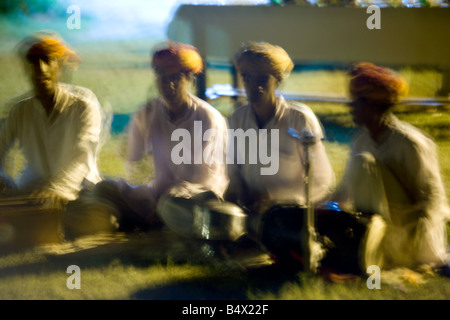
[[342, 235], [25, 225], [209, 219]]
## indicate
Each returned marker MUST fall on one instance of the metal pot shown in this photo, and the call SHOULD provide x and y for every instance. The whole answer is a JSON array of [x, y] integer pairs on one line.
[[209, 220]]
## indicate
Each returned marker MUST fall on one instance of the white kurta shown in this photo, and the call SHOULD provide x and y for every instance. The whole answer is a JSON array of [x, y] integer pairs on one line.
[[60, 149], [288, 183], [151, 132], [399, 180]]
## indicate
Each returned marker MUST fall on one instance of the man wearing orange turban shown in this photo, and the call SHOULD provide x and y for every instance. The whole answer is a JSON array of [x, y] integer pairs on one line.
[[58, 126], [153, 131], [393, 174], [263, 67]]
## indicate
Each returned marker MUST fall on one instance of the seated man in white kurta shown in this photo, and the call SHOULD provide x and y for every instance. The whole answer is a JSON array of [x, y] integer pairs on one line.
[[58, 128], [394, 174], [260, 184], [172, 129]]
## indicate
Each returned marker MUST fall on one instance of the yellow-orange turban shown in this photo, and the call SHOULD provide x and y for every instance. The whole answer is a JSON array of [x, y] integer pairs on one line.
[[52, 48], [264, 57], [47, 43], [376, 84], [178, 57]]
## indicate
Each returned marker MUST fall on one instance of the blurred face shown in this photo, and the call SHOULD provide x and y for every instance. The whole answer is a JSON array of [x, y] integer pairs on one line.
[[364, 113], [259, 87], [173, 86], [45, 72]]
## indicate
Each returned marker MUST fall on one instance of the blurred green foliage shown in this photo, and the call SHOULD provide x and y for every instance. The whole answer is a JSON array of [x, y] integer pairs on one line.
[[30, 7]]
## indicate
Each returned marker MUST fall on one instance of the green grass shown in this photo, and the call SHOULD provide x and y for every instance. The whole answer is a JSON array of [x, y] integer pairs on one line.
[[151, 267]]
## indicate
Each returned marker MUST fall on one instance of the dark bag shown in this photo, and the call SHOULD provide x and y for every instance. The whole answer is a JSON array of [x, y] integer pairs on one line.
[[341, 233]]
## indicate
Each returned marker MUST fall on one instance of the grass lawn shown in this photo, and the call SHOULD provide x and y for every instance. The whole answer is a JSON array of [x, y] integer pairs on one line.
[[158, 266]]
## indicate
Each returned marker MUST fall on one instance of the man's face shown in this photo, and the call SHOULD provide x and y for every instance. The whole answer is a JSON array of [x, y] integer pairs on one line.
[[45, 72], [361, 112], [173, 85], [259, 87]]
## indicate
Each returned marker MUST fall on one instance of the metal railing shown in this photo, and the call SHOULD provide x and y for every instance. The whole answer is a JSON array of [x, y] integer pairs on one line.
[[220, 90]]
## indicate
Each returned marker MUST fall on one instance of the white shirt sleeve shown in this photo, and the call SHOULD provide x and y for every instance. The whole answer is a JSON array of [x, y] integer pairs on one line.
[[82, 158]]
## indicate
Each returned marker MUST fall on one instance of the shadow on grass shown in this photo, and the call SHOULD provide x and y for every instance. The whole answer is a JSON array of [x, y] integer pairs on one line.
[[235, 285], [223, 278], [87, 253]]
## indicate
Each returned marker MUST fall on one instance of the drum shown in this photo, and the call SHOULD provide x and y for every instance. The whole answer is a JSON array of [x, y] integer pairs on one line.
[[342, 235], [24, 225], [210, 219]]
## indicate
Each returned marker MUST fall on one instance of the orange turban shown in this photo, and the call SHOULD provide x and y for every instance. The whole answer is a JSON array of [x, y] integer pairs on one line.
[[51, 48], [178, 57], [376, 84], [47, 43]]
